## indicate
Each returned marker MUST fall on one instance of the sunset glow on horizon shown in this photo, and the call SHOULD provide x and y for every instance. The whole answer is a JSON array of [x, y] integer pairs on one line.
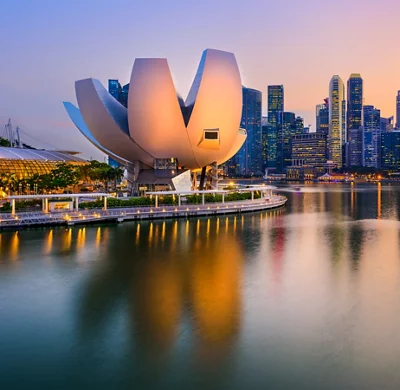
[[48, 45]]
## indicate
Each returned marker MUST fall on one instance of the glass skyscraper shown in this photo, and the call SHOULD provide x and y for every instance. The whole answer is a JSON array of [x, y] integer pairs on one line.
[[286, 130], [398, 111], [337, 121], [354, 119], [275, 98], [248, 161], [371, 136]]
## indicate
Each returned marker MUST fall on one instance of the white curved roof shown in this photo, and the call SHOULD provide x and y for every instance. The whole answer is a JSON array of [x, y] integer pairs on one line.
[[34, 154], [157, 124]]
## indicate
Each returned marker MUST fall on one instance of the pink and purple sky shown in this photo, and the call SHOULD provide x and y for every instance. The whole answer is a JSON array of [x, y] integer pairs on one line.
[[46, 45]]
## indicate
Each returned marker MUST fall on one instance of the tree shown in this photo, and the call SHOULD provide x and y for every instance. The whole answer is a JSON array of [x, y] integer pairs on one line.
[[4, 142]]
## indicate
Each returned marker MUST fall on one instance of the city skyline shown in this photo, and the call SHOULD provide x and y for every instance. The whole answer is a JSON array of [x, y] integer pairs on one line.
[[32, 94]]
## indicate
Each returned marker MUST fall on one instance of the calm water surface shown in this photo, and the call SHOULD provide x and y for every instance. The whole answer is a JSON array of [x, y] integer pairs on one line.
[[307, 297]]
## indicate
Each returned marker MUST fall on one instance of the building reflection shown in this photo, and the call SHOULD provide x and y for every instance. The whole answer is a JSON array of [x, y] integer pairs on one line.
[[172, 275]]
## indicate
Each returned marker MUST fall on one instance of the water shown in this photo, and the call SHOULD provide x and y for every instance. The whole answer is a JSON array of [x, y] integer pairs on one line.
[[305, 297]]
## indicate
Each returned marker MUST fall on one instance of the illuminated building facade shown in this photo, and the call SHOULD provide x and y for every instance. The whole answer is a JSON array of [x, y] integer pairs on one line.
[[354, 119], [25, 163], [309, 149], [337, 121], [275, 99]]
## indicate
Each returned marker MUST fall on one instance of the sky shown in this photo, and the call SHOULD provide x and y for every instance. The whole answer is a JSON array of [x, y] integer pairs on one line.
[[45, 45]]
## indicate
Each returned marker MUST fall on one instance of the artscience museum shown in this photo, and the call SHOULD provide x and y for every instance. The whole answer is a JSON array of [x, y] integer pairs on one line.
[[164, 141]]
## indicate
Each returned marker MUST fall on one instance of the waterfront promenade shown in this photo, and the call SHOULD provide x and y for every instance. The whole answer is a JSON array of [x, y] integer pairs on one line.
[[26, 219]]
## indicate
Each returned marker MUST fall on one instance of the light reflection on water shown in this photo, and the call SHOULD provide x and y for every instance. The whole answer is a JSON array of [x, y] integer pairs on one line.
[[304, 297]]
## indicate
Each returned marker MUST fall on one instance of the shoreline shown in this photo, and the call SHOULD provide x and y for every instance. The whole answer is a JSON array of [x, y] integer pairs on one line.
[[119, 215]]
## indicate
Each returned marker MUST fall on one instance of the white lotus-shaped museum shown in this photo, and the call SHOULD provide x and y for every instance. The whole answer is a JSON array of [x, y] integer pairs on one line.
[[158, 124]]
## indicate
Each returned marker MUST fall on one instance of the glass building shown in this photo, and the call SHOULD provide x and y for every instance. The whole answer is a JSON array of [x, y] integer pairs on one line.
[[275, 99], [322, 117], [371, 137], [337, 121], [390, 150], [354, 119], [25, 163], [248, 161], [286, 129]]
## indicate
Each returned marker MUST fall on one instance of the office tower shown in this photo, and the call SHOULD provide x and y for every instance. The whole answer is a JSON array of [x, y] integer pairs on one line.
[[286, 129], [248, 161], [322, 117], [275, 103], [371, 136], [390, 150], [118, 92], [309, 149], [398, 111], [299, 124], [354, 119], [275, 98], [337, 121]]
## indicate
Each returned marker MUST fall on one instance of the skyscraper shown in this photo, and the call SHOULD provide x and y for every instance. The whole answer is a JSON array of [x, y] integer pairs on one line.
[[286, 130], [322, 117], [248, 161], [337, 120], [275, 103], [398, 110], [275, 100], [354, 119], [371, 136]]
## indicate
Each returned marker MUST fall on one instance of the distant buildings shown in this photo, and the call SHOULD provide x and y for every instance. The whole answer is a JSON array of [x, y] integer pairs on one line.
[[354, 119], [337, 121], [347, 135]]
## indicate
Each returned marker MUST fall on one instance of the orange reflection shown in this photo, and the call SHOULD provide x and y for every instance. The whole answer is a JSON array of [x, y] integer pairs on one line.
[[14, 247], [216, 276]]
